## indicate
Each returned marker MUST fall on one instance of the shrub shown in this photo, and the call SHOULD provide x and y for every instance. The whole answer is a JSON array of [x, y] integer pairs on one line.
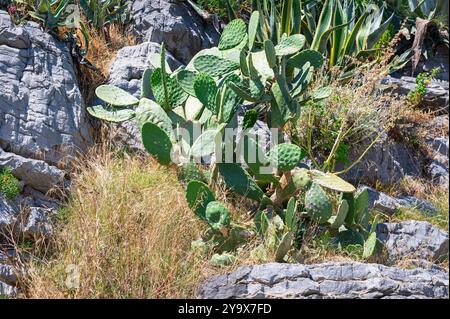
[[9, 184]]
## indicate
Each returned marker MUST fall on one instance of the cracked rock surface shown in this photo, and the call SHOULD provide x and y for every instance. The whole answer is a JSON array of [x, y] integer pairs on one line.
[[327, 281]]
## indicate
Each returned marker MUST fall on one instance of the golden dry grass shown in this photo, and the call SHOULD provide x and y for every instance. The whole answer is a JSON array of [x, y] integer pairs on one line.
[[127, 230]]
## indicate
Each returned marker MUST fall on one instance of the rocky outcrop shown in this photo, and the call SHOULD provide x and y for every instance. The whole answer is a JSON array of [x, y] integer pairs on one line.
[[413, 240], [42, 114], [176, 24], [327, 281]]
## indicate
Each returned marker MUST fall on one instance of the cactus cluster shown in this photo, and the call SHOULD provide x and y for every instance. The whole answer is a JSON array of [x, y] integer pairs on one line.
[[272, 79]]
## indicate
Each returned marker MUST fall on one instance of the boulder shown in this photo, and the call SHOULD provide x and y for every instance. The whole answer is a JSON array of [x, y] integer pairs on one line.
[[7, 291], [326, 281], [176, 24], [9, 213], [413, 240], [42, 114]]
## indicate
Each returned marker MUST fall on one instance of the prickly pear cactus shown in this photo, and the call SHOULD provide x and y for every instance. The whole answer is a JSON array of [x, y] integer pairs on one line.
[[217, 216], [333, 182], [190, 172], [286, 156], [339, 219], [206, 90], [233, 34], [117, 116], [313, 57], [214, 65], [250, 118], [224, 259], [301, 179], [157, 142], [290, 45], [115, 96], [198, 196], [370, 245], [318, 205]]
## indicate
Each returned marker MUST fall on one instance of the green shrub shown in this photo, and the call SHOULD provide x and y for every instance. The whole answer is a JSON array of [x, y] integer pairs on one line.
[[9, 184]]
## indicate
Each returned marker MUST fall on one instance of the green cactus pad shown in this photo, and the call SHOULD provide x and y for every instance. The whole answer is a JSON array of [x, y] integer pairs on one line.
[[146, 86], [341, 215], [116, 116], [350, 237], [284, 247], [290, 45], [313, 57], [301, 178], [158, 87], [150, 111], [157, 142], [271, 56], [198, 196], [178, 96], [222, 260], [317, 204], [256, 160], [239, 181], [233, 34], [250, 118], [253, 29], [227, 100], [261, 65], [186, 80], [115, 96], [370, 245], [286, 156], [322, 93], [333, 182], [350, 199], [214, 65], [291, 214], [217, 215], [191, 172], [205, 145], [206, 90], [361, 206]]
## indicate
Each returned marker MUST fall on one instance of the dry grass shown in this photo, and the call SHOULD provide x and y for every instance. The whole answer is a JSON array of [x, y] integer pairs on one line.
[[127, 230]]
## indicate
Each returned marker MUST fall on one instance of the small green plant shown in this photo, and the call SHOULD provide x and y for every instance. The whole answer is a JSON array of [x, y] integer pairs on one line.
[[9, 184], [100, 13], [422, 82], [51, 13]]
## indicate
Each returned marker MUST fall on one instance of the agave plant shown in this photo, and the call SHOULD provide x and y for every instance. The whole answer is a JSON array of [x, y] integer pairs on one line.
[[103, 12], [52, 13]]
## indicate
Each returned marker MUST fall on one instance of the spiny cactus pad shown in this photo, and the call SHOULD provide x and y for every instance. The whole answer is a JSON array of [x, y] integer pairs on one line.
[[250, 118], [286, 156], [317, 204], [233, 34], [290, 45], [217, 215], [322, 93], [157, 142], [333, 182], [350, 237], [206, 90], [284, 247], [115, 96], [222, 260], [186, 80], [190, 172], [214, 65], [271, 56], [239, 181], [312, 56], [370, 245], [150, 111], [253, 29], [117, 116], [291, 214], [198, 196], [146, 88], [301, 178], [341, 215]]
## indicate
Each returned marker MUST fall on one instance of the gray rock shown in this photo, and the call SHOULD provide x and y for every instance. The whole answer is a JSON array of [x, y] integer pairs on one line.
[[35, 173], [9, 214], [436, 97], [7, 275], [380, 201], [387, 161], [439, 173], [38, 223], [7, 291], [176, 24], [326, 281], [413, 240], [417, 203], [42, 113], [438, 169]]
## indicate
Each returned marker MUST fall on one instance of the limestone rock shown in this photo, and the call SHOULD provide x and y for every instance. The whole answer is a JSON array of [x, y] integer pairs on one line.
[[413, 240], [176, 24], [326, 281]]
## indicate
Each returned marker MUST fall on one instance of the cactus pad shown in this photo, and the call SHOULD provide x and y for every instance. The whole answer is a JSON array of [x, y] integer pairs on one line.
[[250, 118], [222, 260], [190, 172], [340, 216], [217, 215], [115, 96], [317, 204], [301, 179], [286, 156], [350, 237], [370, 245], [146, 88], [206, 90], [186, 80], [214, 65], [157, 142], [284, 247], [271, 56], [290, 45], [313, 57], [198, 196], [333, 182], [117, 116], [233, 34]]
